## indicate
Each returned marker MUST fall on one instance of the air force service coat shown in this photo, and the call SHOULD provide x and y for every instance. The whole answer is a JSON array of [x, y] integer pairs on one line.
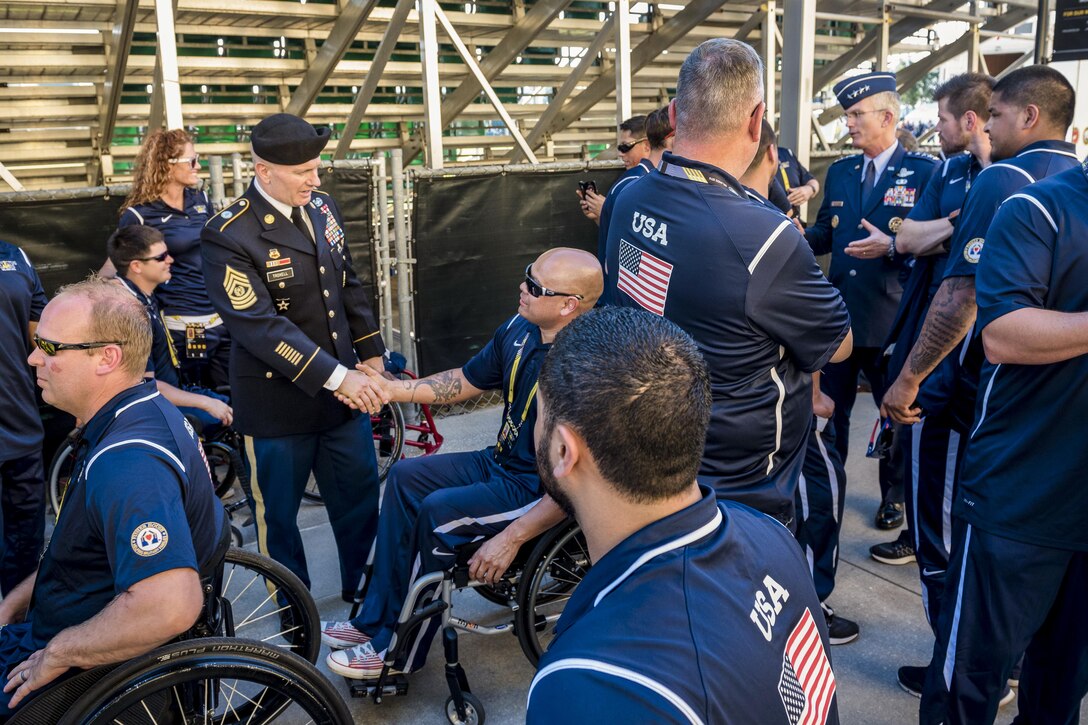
[[871, 288], [295, 309]]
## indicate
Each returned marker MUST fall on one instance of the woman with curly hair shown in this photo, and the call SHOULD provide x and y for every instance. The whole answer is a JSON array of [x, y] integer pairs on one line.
[[165, 196]]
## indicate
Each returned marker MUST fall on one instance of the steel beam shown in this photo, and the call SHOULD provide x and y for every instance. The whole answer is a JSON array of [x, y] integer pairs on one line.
[[158, 107], [1016, 64], [117, 52], [344, 30], [373, 77], [9, 177], [622, 60], [769, 46], [799, 35], [753, 22], [882, 42], [1042, 31], [675, 28], [535, 136], [466, 56], [167, 63], [432, 95]]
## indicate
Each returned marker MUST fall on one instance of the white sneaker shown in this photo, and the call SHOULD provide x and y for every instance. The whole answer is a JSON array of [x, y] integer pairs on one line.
[[358, 663], [342, 635]]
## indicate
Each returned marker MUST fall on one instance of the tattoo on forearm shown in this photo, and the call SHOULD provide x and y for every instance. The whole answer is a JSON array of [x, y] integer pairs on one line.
[[949, 318], [445, 386]]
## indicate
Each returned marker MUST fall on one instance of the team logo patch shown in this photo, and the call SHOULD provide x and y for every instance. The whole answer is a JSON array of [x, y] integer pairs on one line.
[[7, 265], [149, 539], [973, 251], [835, 221], [894, 223], [239, 290]]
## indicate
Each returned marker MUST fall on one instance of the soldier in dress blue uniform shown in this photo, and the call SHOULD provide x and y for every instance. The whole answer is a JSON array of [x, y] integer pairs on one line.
[[686, 242], [866, 199], [22, 477], [695, 610], [1019, 572], [931, 448], [279, 272], [435, 504], [139, 525]]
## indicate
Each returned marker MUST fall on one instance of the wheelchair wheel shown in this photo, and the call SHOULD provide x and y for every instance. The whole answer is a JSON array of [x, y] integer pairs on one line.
[[216, 680], [60, 470], [556, 566], [388, 426], [270, 604], [474, 710], [221, 464]]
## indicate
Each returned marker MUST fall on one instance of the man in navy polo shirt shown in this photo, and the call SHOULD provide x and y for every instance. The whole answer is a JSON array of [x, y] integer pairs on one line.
[[686, 242], [22, 478], [1019, 572], [695, 610], [139, 524], [435, 504], [635, 151]]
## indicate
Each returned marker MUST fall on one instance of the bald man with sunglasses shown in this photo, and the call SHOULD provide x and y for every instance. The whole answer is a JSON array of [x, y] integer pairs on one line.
[[435, 504]]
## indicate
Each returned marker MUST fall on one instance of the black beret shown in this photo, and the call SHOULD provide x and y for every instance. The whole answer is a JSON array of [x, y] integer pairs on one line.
[[286, 139]]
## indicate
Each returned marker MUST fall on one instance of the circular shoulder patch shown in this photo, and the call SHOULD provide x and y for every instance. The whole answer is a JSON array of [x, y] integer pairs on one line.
[[149, 539], [973, 251], [227, 214]]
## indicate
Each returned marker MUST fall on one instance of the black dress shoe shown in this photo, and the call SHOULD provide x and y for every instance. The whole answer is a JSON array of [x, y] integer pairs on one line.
[[889, 515]]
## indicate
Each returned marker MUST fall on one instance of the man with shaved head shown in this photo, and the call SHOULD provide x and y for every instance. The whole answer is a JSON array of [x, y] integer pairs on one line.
[[433, 505]]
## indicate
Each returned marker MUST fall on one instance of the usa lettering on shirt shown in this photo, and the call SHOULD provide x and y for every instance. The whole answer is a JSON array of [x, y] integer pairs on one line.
[[650, 228]]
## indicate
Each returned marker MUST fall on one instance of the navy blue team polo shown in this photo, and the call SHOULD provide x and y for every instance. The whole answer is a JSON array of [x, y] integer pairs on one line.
[[22, 300], [141, 503], [686, 242], [1023, 473], [510, 362], [705, 616], [184, 294], [634, 173]]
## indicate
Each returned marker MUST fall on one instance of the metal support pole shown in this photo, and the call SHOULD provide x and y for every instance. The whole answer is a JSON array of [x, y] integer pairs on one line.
[[218, 192], [1042, 31], [799, 35], [432, 93], [400, 232], [168, 62], [769, 47], [385, 291], [623, 60], [973, 51], [238, 173], [882, 43]]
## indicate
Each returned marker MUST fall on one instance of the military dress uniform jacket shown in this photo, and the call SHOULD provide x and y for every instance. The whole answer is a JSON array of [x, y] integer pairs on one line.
[[871, 288], [294, 309]]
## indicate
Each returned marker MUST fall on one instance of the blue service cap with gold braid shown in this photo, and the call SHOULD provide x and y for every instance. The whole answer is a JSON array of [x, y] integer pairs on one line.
[[286, 139], [851, 90]]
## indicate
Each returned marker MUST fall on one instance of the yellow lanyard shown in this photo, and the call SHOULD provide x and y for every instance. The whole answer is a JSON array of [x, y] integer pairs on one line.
[[515, 429], [785, 179]]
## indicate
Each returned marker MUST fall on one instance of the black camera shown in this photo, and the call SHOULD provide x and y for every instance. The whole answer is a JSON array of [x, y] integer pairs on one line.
[[584, 186]]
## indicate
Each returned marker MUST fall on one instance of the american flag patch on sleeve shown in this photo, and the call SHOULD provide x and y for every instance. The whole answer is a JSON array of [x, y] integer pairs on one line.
[[807, 684], [644, 278]]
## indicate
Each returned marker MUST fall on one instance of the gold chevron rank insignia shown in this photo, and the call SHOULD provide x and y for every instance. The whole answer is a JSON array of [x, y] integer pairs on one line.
[[288, 353], [239, 290]]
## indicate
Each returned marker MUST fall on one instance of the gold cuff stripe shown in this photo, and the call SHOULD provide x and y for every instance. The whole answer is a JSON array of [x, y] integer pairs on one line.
[[366, 337], [300, 372]]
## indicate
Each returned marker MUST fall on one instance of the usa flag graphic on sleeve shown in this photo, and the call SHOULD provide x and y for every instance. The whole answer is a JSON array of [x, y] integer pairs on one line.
[[807, 684], [644, 277]]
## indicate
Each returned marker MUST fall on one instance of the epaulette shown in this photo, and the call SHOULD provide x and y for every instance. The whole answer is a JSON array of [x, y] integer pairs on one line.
[[319, 191], [851, 157], [224, 218], [923, 155]]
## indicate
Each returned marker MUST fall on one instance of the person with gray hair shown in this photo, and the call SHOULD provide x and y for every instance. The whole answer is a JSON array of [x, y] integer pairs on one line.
[[685, 242]]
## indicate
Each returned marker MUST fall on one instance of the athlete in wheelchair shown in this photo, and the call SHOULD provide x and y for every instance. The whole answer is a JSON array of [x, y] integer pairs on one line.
[[436, 504]]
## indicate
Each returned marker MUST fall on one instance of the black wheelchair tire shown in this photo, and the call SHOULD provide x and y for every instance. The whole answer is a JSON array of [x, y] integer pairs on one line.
[[58, 475], [385, 462], [221, 457], [563, 549], [212, 659], [307, 642], [474, 710]]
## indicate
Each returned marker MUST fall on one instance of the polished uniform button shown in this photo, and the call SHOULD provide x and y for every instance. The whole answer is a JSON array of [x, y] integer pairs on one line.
[[332, 313], [321, 269], [282, 285], [334, 336], [268, 374], [853, 273], [326, 293]]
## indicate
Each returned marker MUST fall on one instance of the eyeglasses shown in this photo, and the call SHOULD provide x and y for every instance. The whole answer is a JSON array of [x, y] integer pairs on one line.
[[855, 115], [51, 348], [193, 162], [538, 290], [625, 147], [157, 258]]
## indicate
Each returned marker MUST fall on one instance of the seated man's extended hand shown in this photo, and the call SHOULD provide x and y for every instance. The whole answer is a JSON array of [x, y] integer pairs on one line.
[[33, 673], [218, 409], [492, 559], [359, 391]]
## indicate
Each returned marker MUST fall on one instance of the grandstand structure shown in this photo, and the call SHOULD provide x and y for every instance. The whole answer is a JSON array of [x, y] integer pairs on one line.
[[449, 83]]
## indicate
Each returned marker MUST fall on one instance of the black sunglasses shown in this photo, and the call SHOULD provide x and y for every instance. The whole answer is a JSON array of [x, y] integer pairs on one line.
[[157, 258], [625, 147], [51, 348], [538, 290]]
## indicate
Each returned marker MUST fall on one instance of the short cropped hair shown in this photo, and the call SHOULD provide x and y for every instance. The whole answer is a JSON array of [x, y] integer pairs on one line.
[[116, 316], [720, 84], [131, 243], [635, 125], [966, 92], [1041, 86], [658, 128], [767, 138], [889, 100], [635, 387]]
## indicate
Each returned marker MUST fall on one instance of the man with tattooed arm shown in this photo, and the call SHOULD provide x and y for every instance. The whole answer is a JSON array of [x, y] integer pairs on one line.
[[434, 504]]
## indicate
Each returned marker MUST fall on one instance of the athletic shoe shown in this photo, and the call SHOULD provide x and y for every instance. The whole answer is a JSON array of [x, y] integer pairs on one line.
[[342, 635], [839, 629], [912, 679], [900, 551], [358, 663]]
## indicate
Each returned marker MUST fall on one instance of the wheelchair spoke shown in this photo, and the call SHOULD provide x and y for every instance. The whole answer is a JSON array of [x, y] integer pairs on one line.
[[251, 619], [148, 711]]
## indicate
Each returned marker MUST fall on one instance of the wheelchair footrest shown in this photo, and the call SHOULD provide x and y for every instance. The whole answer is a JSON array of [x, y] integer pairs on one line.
[[394, 685]]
